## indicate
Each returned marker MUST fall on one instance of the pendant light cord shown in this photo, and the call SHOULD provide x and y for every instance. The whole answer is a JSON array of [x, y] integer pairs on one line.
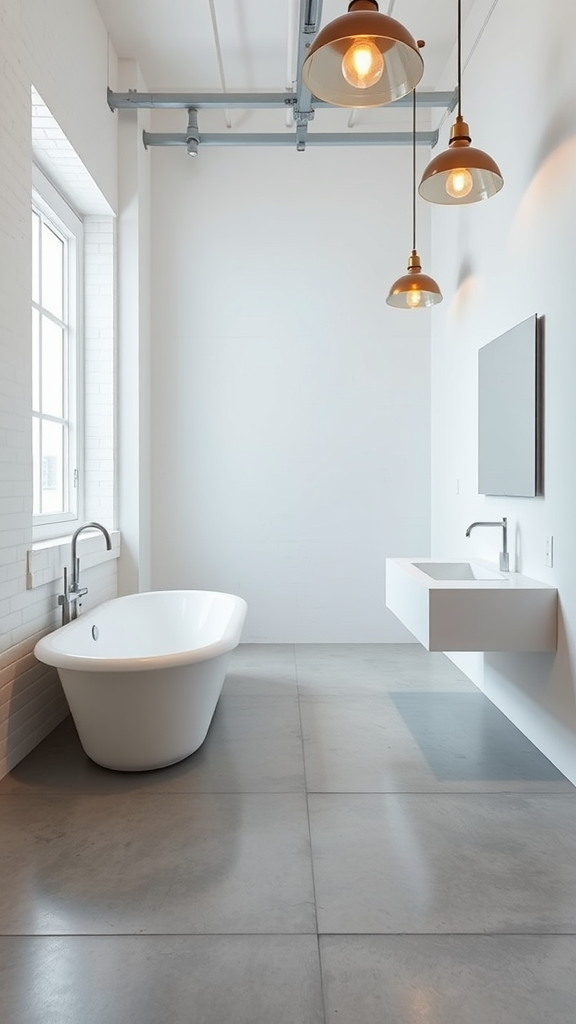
[[414, 169], [460, 58]]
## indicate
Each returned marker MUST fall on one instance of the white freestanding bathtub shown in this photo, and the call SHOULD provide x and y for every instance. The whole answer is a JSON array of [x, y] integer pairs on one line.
[[142, 674]]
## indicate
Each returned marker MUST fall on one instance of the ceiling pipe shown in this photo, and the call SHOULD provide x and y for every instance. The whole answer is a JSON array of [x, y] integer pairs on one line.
[[249, 101], [192, 136], [303, 111], [285, 139], [291, 55]]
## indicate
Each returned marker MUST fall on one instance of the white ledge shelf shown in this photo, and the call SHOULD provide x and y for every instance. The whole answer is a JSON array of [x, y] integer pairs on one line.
[[45, 561], [503, 612]]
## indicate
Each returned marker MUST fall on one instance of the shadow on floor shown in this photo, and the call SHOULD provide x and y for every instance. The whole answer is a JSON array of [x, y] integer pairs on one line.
[[464, 737]]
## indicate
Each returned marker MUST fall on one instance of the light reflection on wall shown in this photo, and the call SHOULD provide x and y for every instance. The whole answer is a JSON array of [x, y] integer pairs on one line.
[[466, 298], [546, 197]]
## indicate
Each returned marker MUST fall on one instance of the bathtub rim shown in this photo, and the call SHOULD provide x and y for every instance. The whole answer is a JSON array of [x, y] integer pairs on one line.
[[45, 652]]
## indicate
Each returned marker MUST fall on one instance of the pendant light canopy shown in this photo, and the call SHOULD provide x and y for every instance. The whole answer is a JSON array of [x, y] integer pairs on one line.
[[461, 174], [414, 290], [362, 59]]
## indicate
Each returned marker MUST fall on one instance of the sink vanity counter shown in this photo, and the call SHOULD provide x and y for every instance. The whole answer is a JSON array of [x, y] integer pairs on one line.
[[471, 606]]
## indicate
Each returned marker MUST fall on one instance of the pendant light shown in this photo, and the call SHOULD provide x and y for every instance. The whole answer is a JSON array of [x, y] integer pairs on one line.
[[414, 290], [362, 59], [461, 174]]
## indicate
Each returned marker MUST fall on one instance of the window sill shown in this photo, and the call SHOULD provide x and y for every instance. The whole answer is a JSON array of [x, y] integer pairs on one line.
[[46, 559]]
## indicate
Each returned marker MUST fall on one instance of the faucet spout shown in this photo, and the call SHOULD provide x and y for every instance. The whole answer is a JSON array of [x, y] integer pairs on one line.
[[70, 599], [75, 568], [504, 561]]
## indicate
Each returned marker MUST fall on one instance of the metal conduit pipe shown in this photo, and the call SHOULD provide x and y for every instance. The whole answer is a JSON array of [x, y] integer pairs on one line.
[[192, 136], [303, 110], [274, 139], [249, 101]]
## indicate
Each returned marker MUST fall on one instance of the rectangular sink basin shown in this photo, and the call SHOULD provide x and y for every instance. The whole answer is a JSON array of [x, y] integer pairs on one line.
[[459, 571], [471, 606]]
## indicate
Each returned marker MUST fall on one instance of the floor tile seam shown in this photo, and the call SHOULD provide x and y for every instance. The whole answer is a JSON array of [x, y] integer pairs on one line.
[[321, 978], [159, 935], [447, 935], [59, 795], [312, 874], [315, 693], [440, 792], [536, 935]]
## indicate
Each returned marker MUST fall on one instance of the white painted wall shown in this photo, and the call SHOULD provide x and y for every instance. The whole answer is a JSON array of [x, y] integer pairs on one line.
[[68, 53], [134, 403], [290, 403], [61, 47], [498, 263]]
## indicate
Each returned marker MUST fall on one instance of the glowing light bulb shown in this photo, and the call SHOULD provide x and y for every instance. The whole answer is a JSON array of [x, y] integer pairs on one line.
[[459, 183], [362, 64], [413, 299]]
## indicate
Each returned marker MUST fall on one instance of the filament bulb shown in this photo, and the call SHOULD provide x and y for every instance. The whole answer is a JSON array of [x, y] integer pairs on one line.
[[362, 64], [459, 183], [413, 299]]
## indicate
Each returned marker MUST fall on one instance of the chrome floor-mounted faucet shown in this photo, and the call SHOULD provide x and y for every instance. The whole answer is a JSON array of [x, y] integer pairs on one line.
[[72, 591], [503, 524]]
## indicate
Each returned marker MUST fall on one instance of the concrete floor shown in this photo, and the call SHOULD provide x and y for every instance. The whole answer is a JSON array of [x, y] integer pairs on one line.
[[363, 838]]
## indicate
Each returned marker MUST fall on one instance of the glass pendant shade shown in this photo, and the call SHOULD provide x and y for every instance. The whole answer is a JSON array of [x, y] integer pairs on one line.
[[362, 59], [414, 290], [461, 174]]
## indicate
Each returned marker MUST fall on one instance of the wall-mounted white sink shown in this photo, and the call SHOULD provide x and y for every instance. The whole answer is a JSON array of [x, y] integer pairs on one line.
[[459, 571], [471, 606]]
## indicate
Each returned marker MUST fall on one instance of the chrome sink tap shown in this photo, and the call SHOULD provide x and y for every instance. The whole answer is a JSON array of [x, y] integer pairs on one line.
[[72, 591], [503, 524]]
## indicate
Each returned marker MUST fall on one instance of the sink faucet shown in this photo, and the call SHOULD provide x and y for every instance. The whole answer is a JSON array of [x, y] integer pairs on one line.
[[503, 523], [72, 590]]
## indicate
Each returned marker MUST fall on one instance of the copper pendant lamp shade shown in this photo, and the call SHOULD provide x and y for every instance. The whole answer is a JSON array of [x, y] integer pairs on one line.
[[461, 174], [414, 290], [362, 59]]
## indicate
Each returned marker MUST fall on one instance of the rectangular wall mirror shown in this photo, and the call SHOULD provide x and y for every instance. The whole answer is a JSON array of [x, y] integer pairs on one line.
[[509, 448]]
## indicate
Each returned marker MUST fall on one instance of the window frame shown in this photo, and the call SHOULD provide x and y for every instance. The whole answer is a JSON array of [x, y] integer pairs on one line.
[[66, 223]]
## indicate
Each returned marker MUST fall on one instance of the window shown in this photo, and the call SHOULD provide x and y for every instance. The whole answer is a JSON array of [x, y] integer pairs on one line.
[[56, 291]]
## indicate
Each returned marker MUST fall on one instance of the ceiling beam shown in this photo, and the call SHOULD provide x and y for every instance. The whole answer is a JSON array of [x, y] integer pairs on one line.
[[250, 100]]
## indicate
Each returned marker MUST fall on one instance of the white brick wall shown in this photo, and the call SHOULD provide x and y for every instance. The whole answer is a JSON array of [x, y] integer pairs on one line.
[[58, 47]]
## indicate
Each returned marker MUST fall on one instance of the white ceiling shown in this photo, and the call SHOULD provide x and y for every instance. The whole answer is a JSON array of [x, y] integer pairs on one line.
[[174, 40]]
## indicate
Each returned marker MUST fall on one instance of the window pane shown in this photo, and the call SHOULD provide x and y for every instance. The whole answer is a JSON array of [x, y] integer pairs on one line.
[[52, 467], [52, 272], [35, 360], [52, 368], [36, 464], [35, 257]]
